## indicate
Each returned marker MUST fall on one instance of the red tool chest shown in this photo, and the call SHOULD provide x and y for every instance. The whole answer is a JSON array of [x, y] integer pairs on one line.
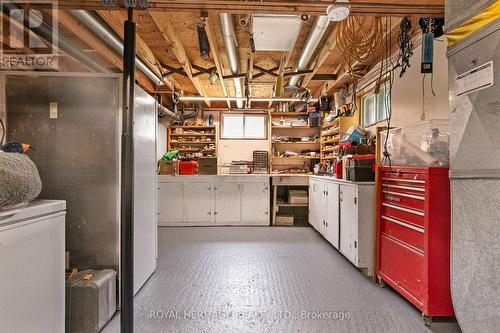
[[414, 231]]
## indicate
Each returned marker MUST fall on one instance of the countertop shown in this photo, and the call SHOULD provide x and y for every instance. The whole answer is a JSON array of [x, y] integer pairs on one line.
[[332, 178], [247, 178]]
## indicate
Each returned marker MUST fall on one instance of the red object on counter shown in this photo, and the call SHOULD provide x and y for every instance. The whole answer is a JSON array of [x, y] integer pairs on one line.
[[413, 234], [346, 144], [188, 167], [338, 169]]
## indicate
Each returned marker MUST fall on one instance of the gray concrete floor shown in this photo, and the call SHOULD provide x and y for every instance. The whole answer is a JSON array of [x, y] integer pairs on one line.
[[264, 280]]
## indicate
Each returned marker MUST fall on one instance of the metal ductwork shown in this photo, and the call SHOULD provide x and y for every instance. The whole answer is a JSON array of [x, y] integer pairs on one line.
[[312, 42], [63, 43], [91, 22], [227, 29]]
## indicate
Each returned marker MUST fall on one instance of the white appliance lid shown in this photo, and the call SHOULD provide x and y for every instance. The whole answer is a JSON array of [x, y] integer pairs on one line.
[[34, 209]]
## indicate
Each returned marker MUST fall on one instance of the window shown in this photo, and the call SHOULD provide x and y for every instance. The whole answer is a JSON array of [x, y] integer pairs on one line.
[[374, 107], [244, 126]]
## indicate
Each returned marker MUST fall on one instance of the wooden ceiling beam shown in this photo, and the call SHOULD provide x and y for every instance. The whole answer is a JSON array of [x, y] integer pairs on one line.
[[71, 24], [400, 8], [166, 28], [115, 20], [214, 51]]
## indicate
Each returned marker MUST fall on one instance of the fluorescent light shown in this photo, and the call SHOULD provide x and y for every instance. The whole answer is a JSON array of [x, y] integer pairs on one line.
[[236, 99]]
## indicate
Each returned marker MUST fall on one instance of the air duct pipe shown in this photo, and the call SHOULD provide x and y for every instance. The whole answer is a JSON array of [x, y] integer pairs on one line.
[[46, 32], [227, 29], [102, 31], [312, 42], [166, 112]]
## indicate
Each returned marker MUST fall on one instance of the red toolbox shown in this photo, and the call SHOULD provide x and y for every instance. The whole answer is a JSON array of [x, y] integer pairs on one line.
[[413, 234], [188, 167]]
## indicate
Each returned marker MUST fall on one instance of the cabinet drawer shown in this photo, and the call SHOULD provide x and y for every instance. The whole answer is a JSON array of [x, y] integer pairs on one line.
[[408, 200], [403, 265], [408, 215], [402, 231], [414, 179]]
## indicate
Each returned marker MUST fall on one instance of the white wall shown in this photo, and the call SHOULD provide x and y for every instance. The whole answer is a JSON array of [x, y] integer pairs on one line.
[[161, 141], [407, 100]]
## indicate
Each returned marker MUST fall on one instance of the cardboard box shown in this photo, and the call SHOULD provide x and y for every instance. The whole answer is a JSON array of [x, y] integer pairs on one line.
[[284, 220], [166, 168], [207, 166], [298, 197]]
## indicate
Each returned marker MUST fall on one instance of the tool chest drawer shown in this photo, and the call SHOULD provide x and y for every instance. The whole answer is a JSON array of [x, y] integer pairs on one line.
[[413, 225]]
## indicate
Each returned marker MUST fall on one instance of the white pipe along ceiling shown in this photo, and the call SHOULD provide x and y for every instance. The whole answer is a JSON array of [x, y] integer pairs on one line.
[[227, 29], [311, 44]]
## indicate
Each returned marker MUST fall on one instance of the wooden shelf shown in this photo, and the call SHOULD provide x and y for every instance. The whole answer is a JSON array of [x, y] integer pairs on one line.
[[178, 141], [288, 114], [295, 158], [196, 150], [336, 140], [193, 134], [330, 124], [193, 127], [297, 143], [330, 150], [192, 142], [291, 205], [329, 158], [294, 127]]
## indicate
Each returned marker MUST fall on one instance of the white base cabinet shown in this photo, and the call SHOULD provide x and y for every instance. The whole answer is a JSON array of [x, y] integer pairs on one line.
[[342, 212], [213, 200]]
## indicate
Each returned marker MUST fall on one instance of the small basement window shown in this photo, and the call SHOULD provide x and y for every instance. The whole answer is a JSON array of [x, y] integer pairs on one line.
[[241, 126], [374, 107]]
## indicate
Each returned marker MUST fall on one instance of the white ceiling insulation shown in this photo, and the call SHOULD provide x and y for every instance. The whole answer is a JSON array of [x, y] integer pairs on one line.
[[275, 32]]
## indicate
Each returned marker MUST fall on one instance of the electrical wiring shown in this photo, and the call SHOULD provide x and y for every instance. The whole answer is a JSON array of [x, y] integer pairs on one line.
[[405, 46], [2, 127], [388, 59], [356, 45]]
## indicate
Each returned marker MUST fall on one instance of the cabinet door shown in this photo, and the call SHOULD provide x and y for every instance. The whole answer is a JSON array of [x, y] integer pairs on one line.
[[198, 203], [349, 222], [316, 204], [254, 203], [227, 203], [332, 214], [170, 203]]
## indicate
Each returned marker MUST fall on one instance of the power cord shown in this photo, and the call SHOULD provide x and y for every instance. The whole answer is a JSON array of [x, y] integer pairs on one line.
[[2, 125]]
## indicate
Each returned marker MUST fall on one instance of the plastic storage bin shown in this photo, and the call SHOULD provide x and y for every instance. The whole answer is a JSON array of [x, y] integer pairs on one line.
[[422, 144]]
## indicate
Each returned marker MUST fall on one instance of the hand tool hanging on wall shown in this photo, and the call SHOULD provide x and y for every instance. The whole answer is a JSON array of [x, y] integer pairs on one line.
[[431, 28]]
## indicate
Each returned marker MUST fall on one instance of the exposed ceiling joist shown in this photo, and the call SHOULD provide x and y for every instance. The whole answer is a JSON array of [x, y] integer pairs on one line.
[[71, 24], [167, 30], [358, 7], [115, 20], [214, 48]]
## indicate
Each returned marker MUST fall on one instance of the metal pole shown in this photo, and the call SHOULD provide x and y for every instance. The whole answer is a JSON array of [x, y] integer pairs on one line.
[[127, 180]]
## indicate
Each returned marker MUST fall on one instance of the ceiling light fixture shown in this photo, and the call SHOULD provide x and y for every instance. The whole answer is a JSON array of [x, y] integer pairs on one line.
[[339, 11], [213, 78]]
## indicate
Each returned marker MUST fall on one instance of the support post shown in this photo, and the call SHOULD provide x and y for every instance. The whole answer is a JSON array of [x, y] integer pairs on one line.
[[127, 180]]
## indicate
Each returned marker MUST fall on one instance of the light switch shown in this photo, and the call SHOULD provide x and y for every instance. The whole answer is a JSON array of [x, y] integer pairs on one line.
[[53, 111]]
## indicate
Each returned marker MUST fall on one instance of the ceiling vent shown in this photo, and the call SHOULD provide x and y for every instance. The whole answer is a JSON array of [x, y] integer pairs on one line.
[[275, 32]]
